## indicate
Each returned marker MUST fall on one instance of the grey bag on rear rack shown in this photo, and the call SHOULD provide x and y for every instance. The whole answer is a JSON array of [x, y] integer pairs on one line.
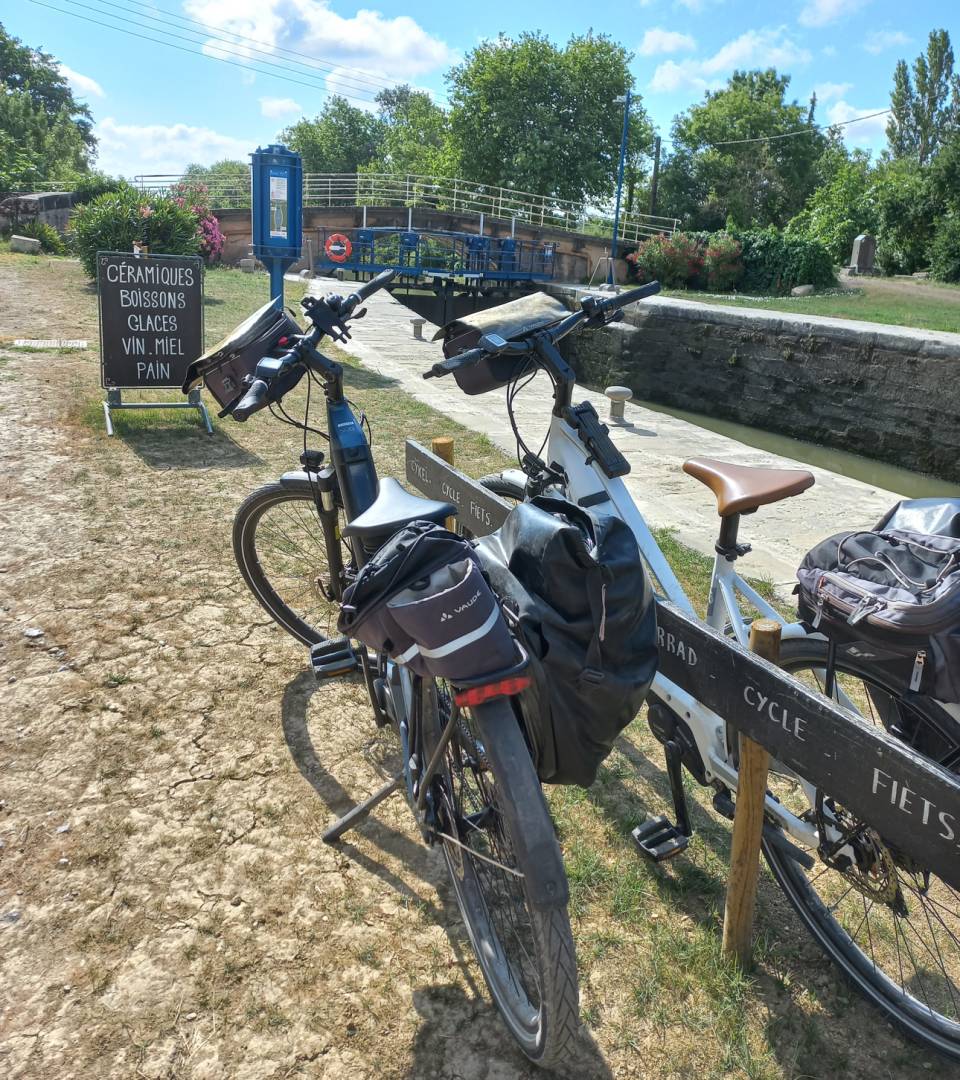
[[574, 583], [510, 320], [895, 592], [422, 599]]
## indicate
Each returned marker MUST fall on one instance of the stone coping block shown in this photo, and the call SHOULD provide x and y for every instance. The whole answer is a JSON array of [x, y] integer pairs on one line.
[[24, 245]]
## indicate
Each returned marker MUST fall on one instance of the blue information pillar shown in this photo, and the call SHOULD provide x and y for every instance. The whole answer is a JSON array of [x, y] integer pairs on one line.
[[277, 211]]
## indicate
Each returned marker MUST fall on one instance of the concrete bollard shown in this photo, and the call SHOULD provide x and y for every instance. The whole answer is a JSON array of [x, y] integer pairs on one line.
[[248, 266], [418, 327], [618, 395]]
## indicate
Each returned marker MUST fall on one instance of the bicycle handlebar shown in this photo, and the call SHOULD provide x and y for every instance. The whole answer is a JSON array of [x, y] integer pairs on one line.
[[593, 312], [355, 299], [255, 399]]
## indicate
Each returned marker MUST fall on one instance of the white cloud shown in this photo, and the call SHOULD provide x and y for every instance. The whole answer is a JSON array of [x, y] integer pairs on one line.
[[275, 107], [83, 84], [394, 48], [880, 40], [829, 90], [767, 48], [868, 134], [129, 149], [657, 42], [824, 12]]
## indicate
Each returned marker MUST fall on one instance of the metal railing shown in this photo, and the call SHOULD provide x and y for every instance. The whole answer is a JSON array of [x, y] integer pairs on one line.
[[441, 193]]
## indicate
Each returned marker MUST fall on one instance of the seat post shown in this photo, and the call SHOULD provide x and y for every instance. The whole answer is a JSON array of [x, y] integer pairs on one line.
[[727, 543]]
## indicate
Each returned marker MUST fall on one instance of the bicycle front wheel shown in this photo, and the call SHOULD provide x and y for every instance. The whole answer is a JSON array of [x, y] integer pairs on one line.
[[489, 808], [891, 925], [291, 558]]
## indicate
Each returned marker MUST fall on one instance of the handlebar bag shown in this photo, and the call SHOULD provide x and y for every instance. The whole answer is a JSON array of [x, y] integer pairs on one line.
[[574, 583], [894, 592], [423, 600], [510, 321]]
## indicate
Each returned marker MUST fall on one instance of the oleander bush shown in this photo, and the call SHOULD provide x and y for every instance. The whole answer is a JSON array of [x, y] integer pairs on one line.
[[50, 240], [116, 220], [675, 261]]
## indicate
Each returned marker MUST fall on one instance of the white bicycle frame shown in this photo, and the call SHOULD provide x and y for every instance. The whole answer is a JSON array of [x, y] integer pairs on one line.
[[708, 729]]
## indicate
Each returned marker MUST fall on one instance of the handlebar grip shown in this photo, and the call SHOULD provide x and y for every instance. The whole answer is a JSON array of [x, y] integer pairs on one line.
[[252, 401], [632, 296], [454, 363], [375, 285]]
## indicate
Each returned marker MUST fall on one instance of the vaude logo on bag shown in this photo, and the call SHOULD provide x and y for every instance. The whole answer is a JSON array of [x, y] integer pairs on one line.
[[463, 607]]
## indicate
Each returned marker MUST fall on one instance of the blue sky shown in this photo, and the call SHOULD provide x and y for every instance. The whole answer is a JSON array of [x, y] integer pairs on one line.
[[158, 108]]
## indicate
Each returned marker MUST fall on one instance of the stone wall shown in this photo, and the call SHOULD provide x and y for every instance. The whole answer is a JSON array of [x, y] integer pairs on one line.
[[886, 392]]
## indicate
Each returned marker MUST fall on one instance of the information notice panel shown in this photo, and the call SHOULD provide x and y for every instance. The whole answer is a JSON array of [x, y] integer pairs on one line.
[[151, 319]]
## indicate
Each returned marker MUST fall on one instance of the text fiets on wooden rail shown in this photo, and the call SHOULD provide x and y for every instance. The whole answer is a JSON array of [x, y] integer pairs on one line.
[[151, 327], [908, 799]]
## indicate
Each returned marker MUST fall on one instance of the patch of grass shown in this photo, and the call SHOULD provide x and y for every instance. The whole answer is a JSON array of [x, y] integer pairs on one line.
[[931, 312]]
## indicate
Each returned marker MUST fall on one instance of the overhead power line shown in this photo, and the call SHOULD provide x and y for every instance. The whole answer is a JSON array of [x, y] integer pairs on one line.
[[315, 83], [801, 131], [314, 64]]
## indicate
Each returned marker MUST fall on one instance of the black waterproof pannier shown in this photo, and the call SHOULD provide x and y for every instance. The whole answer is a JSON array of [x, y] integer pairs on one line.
[[423, 600], [894, 592], [575, 586]]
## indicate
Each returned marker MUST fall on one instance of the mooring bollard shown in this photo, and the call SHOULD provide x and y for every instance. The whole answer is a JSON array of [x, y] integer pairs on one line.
[[748, 819], [418, 334], [618, 395], [442, 446]]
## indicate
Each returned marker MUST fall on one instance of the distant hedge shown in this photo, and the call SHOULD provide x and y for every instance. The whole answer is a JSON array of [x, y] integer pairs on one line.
[[753, 261]]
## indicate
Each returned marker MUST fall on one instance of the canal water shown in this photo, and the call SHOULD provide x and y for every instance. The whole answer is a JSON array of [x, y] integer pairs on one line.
[[876, 473]]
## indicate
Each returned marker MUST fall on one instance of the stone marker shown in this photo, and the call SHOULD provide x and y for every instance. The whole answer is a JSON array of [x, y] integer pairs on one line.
[[864, 254], [248, 266], [25, 245], [802, 290]]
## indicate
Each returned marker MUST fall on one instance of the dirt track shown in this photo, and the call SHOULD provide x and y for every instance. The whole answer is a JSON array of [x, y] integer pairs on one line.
[[187, 922]]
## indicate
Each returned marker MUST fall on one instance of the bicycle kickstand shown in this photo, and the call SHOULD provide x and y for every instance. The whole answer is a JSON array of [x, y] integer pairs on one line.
[[361, 811]]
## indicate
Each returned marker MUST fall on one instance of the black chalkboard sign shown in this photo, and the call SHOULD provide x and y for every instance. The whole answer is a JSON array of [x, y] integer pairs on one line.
[[151, 319]]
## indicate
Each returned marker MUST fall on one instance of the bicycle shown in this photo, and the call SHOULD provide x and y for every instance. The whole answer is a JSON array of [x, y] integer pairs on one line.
[[877, 913], [467, 771]]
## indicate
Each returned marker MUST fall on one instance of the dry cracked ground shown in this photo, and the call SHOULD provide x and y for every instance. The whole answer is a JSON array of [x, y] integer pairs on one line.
[[167, 766]]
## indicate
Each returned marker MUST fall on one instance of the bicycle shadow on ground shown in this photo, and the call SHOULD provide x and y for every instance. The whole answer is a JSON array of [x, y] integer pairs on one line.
[[458, 1031], [178, 440], [364, 378]]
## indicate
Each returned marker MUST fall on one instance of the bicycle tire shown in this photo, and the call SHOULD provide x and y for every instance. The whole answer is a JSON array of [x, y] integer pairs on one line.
[[842, 926], [503, 486], [299, 608], [546, 1030]]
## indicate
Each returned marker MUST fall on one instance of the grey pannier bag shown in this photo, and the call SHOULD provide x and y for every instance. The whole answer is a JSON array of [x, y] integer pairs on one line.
[[894, 590], [423, 600]]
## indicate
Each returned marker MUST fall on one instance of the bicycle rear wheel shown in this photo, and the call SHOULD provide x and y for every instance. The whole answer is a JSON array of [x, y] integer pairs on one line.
[[502, 855], [890, 925]]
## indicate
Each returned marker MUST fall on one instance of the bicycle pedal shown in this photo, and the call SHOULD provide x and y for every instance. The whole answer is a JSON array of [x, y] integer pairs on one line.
[[659, 839], [332, 658]]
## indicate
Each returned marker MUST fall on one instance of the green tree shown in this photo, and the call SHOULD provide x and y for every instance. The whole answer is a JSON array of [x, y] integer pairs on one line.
[[840, 208], [36, 75], [926, 108], [340, 139], [37, 148], [227, 181], [416, 134], [730, 160], [528, 114]]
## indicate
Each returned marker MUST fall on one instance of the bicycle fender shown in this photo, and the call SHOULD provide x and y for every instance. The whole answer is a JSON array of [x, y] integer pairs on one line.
[[298, 480], [533, 833]]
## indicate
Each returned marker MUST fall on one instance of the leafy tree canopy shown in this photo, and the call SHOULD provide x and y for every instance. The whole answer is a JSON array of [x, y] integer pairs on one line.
[[416, 134], [528, 114], [729, 162], [340, 139], [926, 106], [36, 75]]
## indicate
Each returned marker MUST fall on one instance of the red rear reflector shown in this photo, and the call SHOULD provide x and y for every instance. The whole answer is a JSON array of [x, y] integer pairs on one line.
[[283, 341], [477, 695]]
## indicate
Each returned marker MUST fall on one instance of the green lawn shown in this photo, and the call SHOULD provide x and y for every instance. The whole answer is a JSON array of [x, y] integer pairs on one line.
[[932, 312]]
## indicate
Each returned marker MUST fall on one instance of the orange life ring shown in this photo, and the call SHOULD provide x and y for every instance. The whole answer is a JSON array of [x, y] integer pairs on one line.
[[338, 247]]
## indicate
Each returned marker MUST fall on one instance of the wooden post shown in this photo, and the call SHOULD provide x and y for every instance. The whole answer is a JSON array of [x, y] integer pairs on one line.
[[748, 819], [442, 446]]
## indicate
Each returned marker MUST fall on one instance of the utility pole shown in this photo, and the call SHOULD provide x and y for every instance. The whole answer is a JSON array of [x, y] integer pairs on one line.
[[623, 155], [655, 178]]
